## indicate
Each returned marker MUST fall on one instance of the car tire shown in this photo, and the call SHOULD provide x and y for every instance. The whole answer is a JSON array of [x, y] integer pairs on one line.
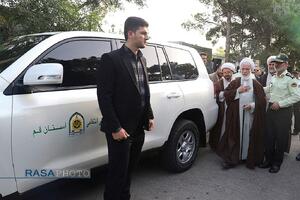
[[180, 151]]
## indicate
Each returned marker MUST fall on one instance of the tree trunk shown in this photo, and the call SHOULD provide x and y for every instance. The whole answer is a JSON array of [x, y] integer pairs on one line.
[[228, 37]]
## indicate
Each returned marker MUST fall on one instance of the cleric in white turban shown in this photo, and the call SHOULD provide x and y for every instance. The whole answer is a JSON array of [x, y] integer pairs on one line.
[[218, 130], [247, 61], [265, 79], [228, 65], [246, 103], [271, 59]]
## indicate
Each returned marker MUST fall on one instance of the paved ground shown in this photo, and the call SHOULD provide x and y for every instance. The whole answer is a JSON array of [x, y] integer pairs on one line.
[[206, 180]]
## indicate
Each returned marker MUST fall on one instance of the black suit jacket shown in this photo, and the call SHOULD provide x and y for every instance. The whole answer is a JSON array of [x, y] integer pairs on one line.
[[263, 79], [118, 95]]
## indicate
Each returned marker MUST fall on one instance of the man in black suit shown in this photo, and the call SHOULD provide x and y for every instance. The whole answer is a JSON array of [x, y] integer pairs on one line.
[[124, 100], [208, 64]]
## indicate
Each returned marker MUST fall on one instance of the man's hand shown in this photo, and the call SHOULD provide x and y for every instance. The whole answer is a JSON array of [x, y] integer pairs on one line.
[[275, 106], [243, 89], [151, 124], [267, 98], [247, 107], [120, 135]]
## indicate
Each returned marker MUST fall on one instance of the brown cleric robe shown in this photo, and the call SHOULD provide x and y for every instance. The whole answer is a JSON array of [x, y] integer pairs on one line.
[[229, 146], [215, 133]]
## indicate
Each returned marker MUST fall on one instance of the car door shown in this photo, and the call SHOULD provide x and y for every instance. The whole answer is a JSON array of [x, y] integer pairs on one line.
[[197, 89], [166, 96], [57, 127], [184, 70]]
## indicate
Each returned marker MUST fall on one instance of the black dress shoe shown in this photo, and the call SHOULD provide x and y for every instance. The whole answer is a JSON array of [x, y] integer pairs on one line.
[[227, 165], [295, 133], [274, 169], [264, 165], [298, 157]]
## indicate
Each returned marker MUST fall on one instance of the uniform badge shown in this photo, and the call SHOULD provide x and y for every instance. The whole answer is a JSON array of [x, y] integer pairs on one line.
[[76, 124], [294, 85]]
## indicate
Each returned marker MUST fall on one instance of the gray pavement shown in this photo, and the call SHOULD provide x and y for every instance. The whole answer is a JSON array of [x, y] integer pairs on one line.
[[206, 180]]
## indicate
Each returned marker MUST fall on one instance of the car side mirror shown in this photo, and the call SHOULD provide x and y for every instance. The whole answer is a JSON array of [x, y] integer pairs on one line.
[[44, 74]]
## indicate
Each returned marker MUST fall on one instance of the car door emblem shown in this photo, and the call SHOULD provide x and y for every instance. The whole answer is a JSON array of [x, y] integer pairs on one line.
[[76, 124]]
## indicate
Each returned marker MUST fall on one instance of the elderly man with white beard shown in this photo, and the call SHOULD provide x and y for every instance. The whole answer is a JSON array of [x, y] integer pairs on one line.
[[265, 79], [245, 116]]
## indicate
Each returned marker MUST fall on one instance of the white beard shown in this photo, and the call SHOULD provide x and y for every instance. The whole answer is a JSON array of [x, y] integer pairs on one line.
[[245, 78]]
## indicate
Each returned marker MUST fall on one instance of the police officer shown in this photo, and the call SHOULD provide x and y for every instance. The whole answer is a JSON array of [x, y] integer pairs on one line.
[[284, 92]]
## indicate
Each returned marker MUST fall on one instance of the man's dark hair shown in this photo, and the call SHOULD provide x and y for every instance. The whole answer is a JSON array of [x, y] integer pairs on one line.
[[133, 24], [203, 54]]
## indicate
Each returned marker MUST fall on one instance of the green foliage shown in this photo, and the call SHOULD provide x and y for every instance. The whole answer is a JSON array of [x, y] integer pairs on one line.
[[19, 17], [288, 33], [258, 28]]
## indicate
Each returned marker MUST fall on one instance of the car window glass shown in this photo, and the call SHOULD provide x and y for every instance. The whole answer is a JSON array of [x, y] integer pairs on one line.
[[79, 60], [153, 68], [182, 64], [165, 70], [13, 49]]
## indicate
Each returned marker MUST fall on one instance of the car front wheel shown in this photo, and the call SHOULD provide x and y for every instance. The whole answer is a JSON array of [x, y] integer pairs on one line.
[[181, 149]]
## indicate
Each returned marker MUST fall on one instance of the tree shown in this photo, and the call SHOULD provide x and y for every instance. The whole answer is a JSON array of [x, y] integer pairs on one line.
[[221, 21], [220, 52], [19, 17], [252, 28], [288, 34]]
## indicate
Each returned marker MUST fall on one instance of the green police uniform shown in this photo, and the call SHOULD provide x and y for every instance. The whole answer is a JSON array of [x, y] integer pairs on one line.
[[285, 90]]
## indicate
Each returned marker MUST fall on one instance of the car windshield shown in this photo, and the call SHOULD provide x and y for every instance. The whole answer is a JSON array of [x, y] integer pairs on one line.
[[11, 50]]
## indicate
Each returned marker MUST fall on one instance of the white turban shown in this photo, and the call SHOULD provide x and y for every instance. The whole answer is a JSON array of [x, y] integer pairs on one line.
[[270, 59], [228, 65], [248, 61]]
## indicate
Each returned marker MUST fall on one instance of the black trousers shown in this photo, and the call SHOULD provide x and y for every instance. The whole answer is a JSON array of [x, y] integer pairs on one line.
[[296, 109], [277, 134], [122, 158]]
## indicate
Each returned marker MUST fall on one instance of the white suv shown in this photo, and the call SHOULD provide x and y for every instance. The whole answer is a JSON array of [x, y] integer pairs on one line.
[[50, 117]]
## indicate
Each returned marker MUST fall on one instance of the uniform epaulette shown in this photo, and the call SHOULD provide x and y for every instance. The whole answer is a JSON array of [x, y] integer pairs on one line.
[[289, 75]]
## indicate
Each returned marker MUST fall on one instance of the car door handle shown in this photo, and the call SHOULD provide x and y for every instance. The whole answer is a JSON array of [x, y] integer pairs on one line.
[[173, 95], [49, 77]]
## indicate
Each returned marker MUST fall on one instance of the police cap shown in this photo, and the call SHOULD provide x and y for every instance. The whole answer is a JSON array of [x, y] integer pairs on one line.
[[281, 58]]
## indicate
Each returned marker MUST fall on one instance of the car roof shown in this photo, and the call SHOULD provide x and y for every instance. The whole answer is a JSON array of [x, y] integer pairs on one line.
[[74, 34], [55, 37]]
